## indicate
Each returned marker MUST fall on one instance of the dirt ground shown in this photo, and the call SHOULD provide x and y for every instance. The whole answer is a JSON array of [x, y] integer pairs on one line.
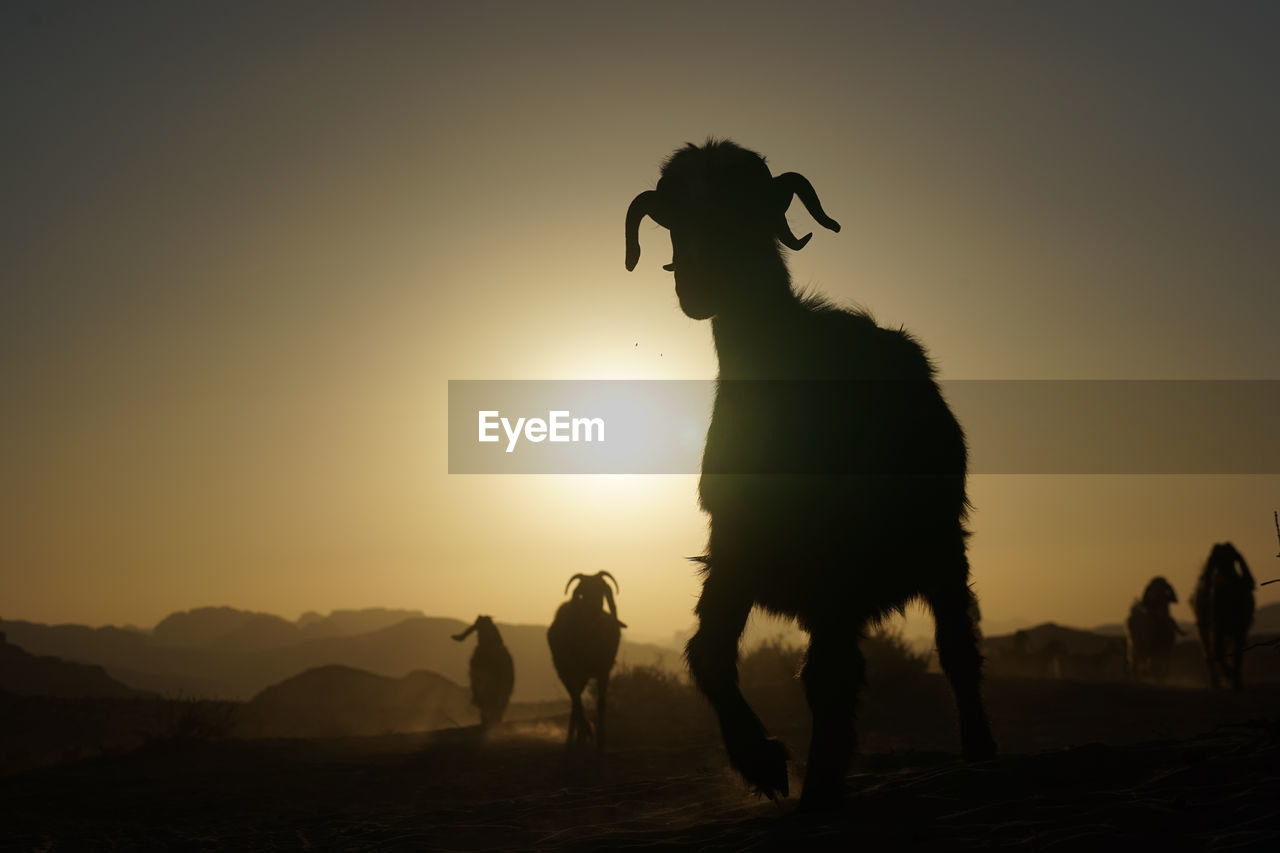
[[1083, 766]]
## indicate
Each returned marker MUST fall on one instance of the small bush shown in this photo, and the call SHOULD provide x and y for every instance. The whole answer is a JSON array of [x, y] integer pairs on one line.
[[190, 720], [891, 660], [774, 663], [649, 705]]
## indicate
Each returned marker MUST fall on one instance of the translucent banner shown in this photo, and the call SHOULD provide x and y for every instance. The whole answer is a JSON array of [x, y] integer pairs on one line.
[[1012, 426]]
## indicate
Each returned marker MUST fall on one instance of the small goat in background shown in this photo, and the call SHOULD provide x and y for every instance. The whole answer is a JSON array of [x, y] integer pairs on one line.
[[1151, 631], [492, 673], [584, 644], [1223, 604]]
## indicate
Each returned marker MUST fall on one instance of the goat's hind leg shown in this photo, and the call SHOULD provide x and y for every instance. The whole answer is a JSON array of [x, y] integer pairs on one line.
[[579, 728], [602, 690], [1236, 656], [713, 660], [956, 634]]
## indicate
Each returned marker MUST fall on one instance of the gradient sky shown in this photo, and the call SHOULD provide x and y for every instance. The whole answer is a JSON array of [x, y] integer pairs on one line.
[[245, 246]]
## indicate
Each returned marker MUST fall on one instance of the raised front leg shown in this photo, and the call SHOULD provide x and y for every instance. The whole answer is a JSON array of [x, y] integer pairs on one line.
[[713, 660]]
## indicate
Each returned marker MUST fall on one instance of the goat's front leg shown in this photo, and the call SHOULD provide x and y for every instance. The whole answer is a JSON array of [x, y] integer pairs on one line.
[[713, 659], [833, 674]]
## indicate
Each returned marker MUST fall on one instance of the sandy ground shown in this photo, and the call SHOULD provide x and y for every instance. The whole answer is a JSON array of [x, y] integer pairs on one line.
[[1083, 766]]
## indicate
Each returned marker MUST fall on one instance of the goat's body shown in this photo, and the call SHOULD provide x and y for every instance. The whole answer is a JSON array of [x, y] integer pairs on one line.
[[493, 677], [835, 425], [1223, 604]]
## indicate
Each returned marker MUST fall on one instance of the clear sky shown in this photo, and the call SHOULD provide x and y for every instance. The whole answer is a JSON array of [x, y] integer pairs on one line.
[[245, 246]]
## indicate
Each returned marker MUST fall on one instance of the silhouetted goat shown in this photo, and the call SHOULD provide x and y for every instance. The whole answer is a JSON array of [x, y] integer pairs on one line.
[[1223, 604], [833, 472], [1151, 631], [492, 674], [584, 643]]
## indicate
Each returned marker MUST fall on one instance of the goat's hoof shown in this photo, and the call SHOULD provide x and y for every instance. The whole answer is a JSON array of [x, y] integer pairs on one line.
[[821, 798], [764, 767], [979, 749]]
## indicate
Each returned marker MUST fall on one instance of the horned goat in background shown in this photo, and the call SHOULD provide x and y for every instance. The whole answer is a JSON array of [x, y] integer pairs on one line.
[[833, 471], [1151, 631], [492, 673], [1223, 604], [584, 644]]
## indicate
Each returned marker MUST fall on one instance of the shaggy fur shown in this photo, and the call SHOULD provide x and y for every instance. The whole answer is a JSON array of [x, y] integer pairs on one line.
[[584, 644], [1223, 604], [833, 472]]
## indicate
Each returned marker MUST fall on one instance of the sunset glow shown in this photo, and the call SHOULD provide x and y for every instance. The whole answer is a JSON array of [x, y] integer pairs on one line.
[[245, 253]]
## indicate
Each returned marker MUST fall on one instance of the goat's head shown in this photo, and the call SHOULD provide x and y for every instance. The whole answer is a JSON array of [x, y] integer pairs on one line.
[[1226, 565], [726, 214], [593, 592], [1159, 592], [484, 627]]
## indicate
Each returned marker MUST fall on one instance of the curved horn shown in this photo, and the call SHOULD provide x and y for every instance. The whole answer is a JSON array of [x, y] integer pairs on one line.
[[613, 608], [1244, 571], [787, 238], [641, 206], [610, 577], [790, 184], [578, 576], [465, 634]]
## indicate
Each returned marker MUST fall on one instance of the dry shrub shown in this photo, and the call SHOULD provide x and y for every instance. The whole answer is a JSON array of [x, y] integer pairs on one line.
[[652, 706], [649, 705], [187, 720]]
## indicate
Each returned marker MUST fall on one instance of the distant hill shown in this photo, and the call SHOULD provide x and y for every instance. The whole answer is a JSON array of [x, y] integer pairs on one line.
[[1057, 651], [24, 674], [339, 701], [225, 628], [346, 623], [1266, 620], [1116, 629], [222, 653]]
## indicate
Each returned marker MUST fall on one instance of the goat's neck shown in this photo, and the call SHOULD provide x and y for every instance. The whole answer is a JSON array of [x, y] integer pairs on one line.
[[753, 336]]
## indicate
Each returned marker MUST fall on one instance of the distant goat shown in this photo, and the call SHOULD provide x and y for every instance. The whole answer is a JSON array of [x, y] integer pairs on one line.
[[1151, 631], [1223, 604], [584, 644], [492, 673], [833, 471]]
